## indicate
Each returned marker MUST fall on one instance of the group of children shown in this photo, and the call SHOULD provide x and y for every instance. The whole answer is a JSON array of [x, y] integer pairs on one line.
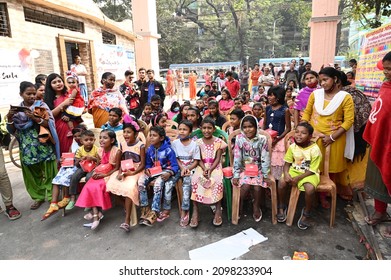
[[195, 161]]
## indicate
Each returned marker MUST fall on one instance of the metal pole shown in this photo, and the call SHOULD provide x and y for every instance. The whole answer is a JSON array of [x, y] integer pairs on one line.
[[274, 34]]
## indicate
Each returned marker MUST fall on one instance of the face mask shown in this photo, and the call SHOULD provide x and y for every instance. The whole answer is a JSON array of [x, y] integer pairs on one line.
[[313, 85], [176, 109]]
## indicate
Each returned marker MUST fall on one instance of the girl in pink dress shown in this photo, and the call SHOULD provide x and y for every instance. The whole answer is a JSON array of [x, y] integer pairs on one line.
[[226, 103], [124, 182], [207, 181], [94, 194]]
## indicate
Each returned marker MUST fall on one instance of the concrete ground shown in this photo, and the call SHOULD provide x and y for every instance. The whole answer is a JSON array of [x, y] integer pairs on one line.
[[65, 237]]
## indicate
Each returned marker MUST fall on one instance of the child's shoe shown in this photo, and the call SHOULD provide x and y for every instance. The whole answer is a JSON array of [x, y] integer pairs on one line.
[[150, 219], [12, 213], [70, 205], [163, 215], [144, 213], [53, 208], [64, 202]]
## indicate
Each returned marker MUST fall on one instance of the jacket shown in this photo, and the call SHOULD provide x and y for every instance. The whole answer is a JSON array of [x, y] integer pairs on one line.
[[159, 90], [166, 156]]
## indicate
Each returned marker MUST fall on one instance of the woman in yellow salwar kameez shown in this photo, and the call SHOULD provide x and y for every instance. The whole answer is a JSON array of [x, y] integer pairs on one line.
[[331, 112]]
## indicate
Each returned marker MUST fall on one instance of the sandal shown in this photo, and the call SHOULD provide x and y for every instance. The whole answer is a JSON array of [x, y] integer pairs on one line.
[[281, 218], [218, 222], [150, 219], [387, 232], [95, 224], [194, 223], [64, 202], [53, 208], [36, 205], [303, 224], [163, 215], [12, 213], [377, 218], [125, 227], [89, 216], [259, 218], [70, 205], [184, 220]]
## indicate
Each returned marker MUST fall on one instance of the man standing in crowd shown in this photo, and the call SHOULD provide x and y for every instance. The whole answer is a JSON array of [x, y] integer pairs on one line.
[[291, 74], [267, 79], [244, 75], [81, 72], [234, 74], [150, 88], [232, 84]]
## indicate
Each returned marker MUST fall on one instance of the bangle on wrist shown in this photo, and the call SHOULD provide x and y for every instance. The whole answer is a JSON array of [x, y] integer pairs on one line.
[[10, 123], [331, 137], [41, 121]]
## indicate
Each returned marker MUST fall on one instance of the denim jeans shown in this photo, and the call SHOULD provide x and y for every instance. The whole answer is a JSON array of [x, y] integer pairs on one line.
[[186, 186], [158, 186], [168, 187], [75, 180]]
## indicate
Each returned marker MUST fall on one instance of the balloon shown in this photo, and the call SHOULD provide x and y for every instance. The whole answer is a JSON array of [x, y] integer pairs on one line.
[[34, 54], [379, 65]]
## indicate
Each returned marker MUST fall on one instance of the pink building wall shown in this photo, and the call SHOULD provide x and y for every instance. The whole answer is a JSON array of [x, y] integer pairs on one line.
[[323, 26], [145, 25]]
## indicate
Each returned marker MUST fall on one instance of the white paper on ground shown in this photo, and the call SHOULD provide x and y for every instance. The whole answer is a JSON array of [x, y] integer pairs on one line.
[[228, 248]]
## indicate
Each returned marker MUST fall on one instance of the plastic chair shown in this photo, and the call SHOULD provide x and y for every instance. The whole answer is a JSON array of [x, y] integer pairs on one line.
[[236, 190], [144, 127], [172, 133], [325, 185], [226, 182]]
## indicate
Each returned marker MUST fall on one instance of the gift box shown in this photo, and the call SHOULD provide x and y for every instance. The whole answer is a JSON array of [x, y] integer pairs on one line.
[[103, 168], [251, 170], [272, 132], [156, 170], [68, 160], [87, 165], [227, 172], [127, 164]]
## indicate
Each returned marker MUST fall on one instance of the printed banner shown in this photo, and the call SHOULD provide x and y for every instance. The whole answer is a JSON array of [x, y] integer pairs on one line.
[[374, 45], [115, 59], [14, 68]]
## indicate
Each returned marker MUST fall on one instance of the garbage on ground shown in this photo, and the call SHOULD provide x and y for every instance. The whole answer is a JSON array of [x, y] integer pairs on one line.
[[301, 256]]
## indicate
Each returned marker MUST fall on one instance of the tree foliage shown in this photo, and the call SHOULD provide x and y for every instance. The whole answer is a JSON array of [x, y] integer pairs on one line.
[[363, 8], [233, 29], [117, 10]]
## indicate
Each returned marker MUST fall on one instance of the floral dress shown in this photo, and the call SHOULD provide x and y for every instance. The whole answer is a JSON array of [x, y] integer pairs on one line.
[[208, 191]]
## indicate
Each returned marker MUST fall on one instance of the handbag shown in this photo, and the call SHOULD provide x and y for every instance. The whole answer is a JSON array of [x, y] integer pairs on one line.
[[127, 164], [272, 132], [87, 165], [44, 135], [251, 170], [103, 168], [68, 160]]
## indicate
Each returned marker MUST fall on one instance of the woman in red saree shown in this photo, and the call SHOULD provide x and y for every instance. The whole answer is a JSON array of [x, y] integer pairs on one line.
[[57, 99], [378, 135], [105, 98]]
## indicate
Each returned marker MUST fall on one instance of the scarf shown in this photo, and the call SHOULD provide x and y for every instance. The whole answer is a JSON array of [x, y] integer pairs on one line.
[[22, 122], [329, 110], [302, 98], [378, 133]]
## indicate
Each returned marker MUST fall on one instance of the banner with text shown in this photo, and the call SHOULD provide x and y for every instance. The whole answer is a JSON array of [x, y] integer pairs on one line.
[[115, 59], [374, 45]]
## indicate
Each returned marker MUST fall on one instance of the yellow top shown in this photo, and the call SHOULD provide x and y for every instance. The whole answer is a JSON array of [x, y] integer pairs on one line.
[[342, 117]]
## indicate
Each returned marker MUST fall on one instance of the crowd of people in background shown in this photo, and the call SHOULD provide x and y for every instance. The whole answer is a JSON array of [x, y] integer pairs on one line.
[[48, 124]]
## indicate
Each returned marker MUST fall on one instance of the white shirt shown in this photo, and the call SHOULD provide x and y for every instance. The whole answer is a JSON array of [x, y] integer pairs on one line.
[[79, 68]]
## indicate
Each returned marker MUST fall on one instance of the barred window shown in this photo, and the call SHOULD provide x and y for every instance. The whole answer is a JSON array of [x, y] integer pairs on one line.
[[5, 29], [108, 38], [52, 20]]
